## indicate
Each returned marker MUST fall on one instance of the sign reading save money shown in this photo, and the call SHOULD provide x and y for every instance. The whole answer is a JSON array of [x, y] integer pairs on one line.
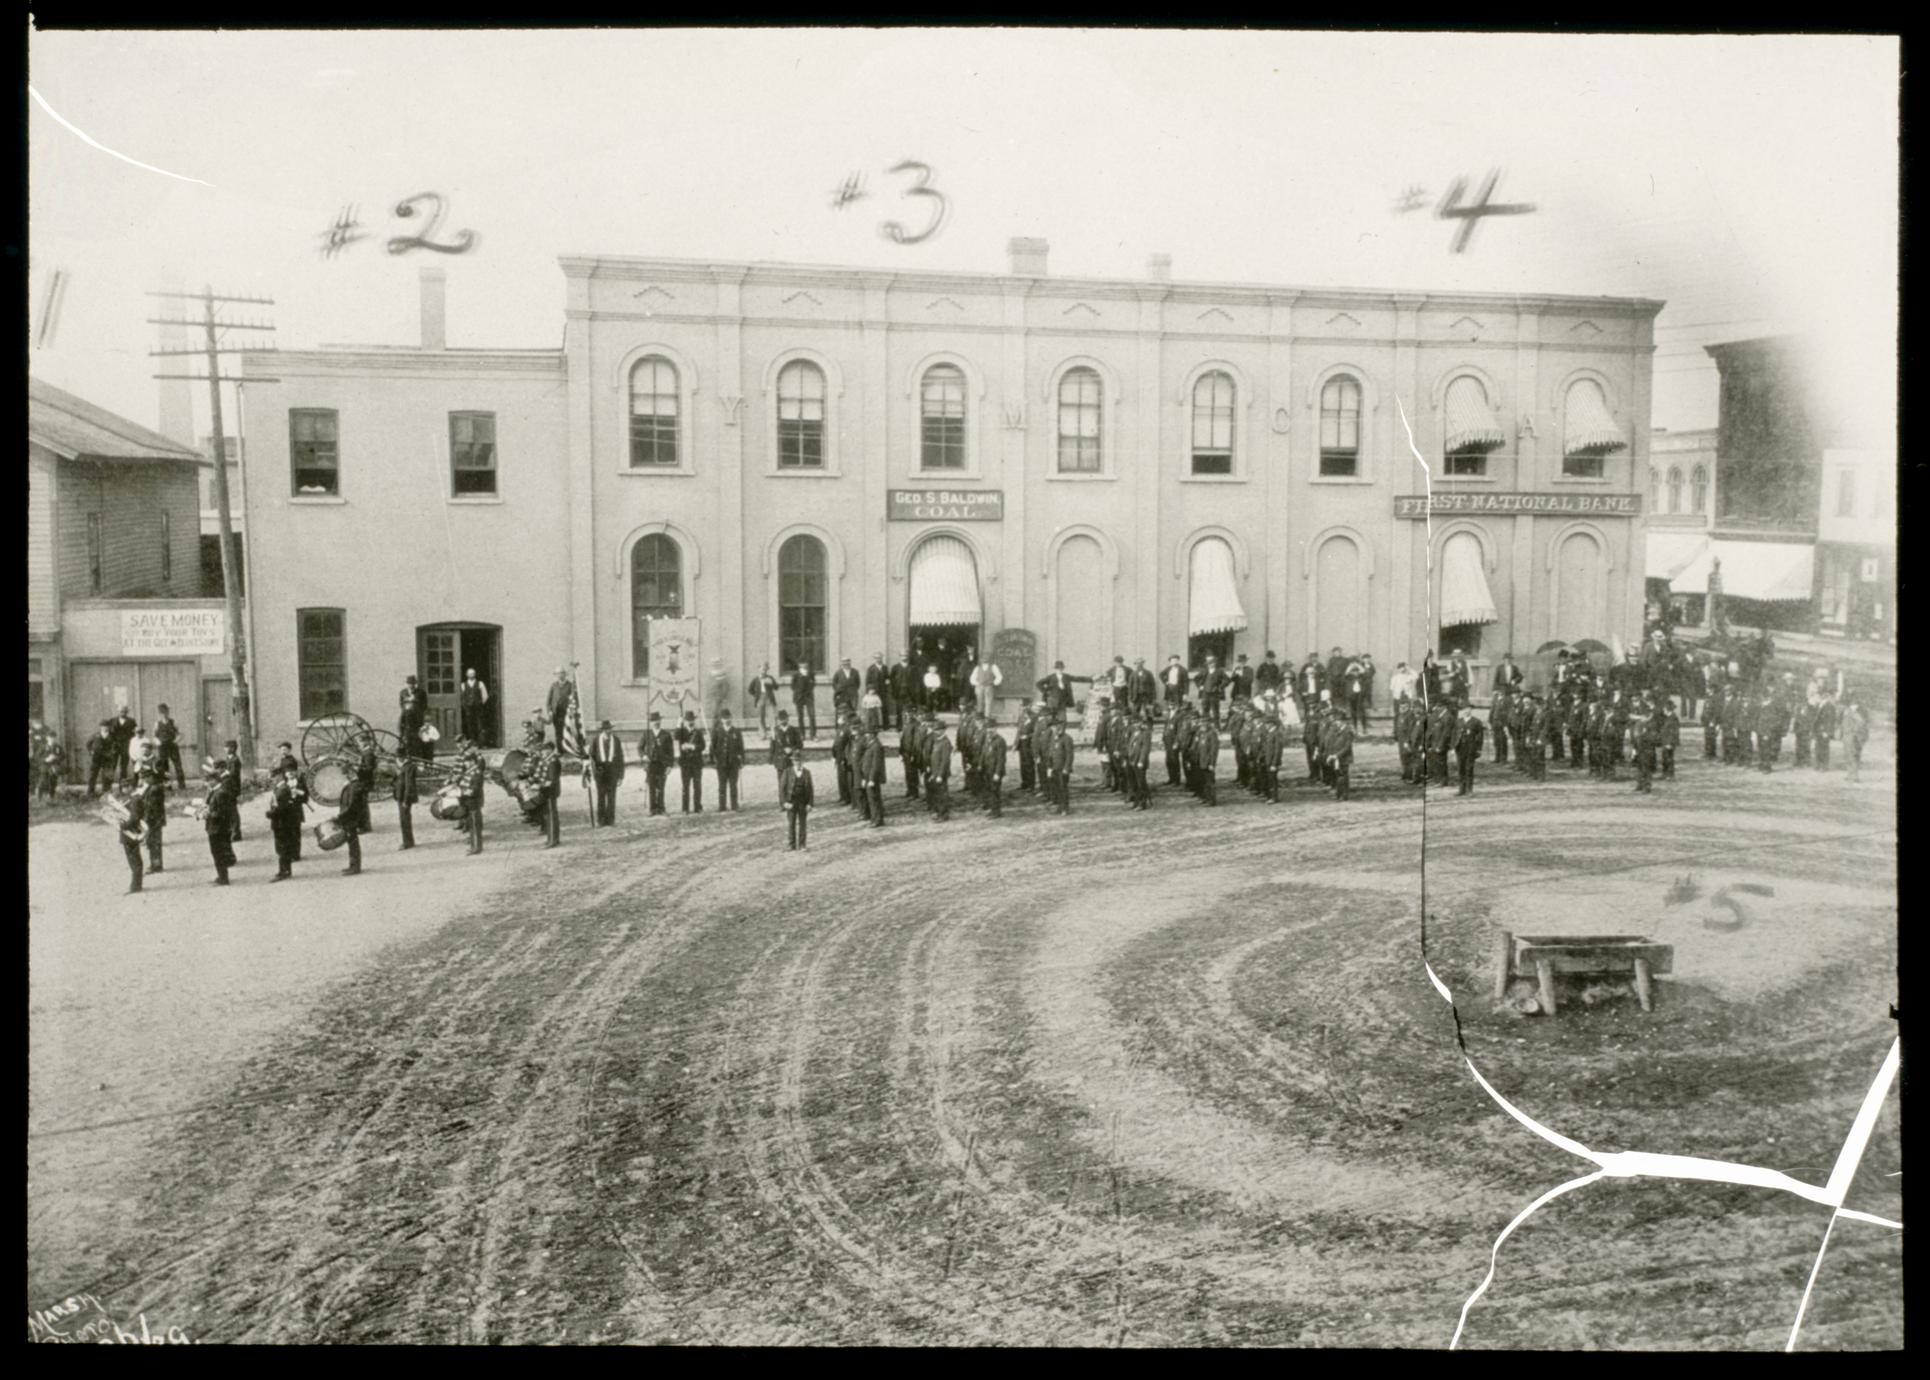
[[174, 632]]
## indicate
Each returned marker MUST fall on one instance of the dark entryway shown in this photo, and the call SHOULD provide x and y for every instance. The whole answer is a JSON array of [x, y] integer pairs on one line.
[[444, 652], [952, 650], [1218, 645]]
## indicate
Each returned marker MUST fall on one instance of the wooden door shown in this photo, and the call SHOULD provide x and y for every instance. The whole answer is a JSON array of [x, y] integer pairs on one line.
[[217, 715], [437, 659]]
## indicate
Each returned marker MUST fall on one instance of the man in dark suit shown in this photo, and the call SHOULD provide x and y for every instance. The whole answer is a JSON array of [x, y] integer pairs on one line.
[[1212, 684], [871, 777], [901, 684], [938, 772], [1440, 737], [1467, 748], [991, 767], [1507, 676], [797, 797], [1206, 761], [471, 697], [1243, 679], [1142, 688], [1058, 765], [122, 729], [690, 760], [1271, 676], [1308, 682], [1501, 711], [877, 681], [167, 733], [406, 796], [911, 751], [658, 750], [1055, 690], [845, 686], [727, 755], [1338, 743], [1175, 680], [841, 735], [557, 703], [606, 771], [804, 700]]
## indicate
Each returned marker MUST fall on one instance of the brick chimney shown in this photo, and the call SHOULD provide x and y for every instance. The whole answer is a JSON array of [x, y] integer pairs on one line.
[[1028, 257], [1160, 268], [435, 291]]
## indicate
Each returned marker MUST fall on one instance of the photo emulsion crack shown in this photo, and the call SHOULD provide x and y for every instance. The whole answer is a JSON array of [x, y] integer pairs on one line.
[[1048, 598]]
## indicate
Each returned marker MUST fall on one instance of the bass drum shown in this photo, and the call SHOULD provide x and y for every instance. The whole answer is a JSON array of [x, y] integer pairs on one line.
[[447, 805], [512, 766], [329, 835], [327, 782]]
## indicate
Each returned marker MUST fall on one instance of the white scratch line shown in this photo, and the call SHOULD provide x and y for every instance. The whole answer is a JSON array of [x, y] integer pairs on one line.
[[1439, 986], [1803, 1307], [1494, 1256], [95, 143]]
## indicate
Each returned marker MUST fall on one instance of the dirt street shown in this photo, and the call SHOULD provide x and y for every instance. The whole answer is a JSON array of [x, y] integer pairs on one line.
[[1166, 1078]]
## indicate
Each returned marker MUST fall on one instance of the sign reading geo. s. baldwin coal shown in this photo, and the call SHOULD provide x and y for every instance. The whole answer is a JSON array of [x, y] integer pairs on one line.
[[945, 505], [174, 632]]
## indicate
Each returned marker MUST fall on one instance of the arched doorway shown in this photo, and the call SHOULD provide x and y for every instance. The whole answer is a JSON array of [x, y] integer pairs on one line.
[[944, 615], [1079, 596], [1581, 583], [444, 651]]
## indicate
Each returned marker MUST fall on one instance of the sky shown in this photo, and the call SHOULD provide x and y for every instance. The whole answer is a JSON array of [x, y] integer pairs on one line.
[[1751, 183]]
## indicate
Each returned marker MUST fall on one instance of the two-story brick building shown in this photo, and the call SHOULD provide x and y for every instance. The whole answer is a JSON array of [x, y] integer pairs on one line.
[[827, 462], [113, 577]]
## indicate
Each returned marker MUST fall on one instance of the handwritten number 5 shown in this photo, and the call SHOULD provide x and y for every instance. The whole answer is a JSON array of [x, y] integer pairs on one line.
[[892, 230], [402, 244]]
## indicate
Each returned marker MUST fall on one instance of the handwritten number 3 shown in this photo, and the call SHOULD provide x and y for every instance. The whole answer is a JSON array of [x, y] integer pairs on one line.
[[892, 230], [402, 244]]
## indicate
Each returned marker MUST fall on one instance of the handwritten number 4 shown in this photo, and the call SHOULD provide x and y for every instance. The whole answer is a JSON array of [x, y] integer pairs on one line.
[[402, 244], [895, 232]]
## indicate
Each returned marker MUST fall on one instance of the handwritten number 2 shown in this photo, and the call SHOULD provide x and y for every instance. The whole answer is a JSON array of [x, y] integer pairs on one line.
[[892, 230], [402, 244]]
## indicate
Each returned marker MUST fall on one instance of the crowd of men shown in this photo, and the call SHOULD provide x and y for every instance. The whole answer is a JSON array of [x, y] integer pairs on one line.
[[1194, 719]]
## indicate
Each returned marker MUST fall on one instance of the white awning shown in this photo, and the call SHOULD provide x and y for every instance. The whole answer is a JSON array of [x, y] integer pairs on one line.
[[944, 584], [1216, 594], [1587, 429], [1671, 553], [1774, 572], [1470, 419], [1464, 584]]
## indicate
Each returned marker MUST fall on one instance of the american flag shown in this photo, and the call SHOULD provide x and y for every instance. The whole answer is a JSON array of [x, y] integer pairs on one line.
[[572, 744]]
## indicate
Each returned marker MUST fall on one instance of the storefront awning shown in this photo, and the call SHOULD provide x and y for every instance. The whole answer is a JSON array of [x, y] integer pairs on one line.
[[1773, 572], [944, 585], [1216, 594], [1587, 429], [1464, 584], [1470, 419], [1671, 553]]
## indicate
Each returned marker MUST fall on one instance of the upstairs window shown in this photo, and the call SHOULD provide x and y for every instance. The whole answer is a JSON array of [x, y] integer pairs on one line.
[[1699, 490], [1340, 428], [1079, 405], [1213, 424], [653, 414], [1471, 429], [472, 453], [1846, 493], [94, 553], [941, 418], [1675, 488], [313, 452], [1655, 490], [167, 547], [800, 417]]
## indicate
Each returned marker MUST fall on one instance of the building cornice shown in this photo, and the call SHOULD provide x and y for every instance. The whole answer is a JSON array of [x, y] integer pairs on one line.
[[624, 268]]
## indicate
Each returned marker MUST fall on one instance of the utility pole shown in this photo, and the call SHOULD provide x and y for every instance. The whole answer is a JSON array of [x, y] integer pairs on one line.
[[212, 350]]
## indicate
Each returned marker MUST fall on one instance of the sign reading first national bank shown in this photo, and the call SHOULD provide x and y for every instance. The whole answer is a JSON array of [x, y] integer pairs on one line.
[[946, 505], [1554, 505]]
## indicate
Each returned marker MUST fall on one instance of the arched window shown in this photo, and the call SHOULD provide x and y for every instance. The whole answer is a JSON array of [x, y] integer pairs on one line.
[[1655, 490], [1079, 403], [1698, 490], [800, 416], [1213, 424], [653, 413], [802, 606], [1675, 488], [1340, 427], [941, 413], [656, 591], [1471, 428]]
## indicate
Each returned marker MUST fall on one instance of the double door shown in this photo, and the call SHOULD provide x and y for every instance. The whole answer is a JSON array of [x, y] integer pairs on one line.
[[98, 689], [444, 653]]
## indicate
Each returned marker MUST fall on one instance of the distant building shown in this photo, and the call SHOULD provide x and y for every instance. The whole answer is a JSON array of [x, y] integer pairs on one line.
[[114, 613], [211, 518], [1856, 543], [1682, 468], [823, 462]]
